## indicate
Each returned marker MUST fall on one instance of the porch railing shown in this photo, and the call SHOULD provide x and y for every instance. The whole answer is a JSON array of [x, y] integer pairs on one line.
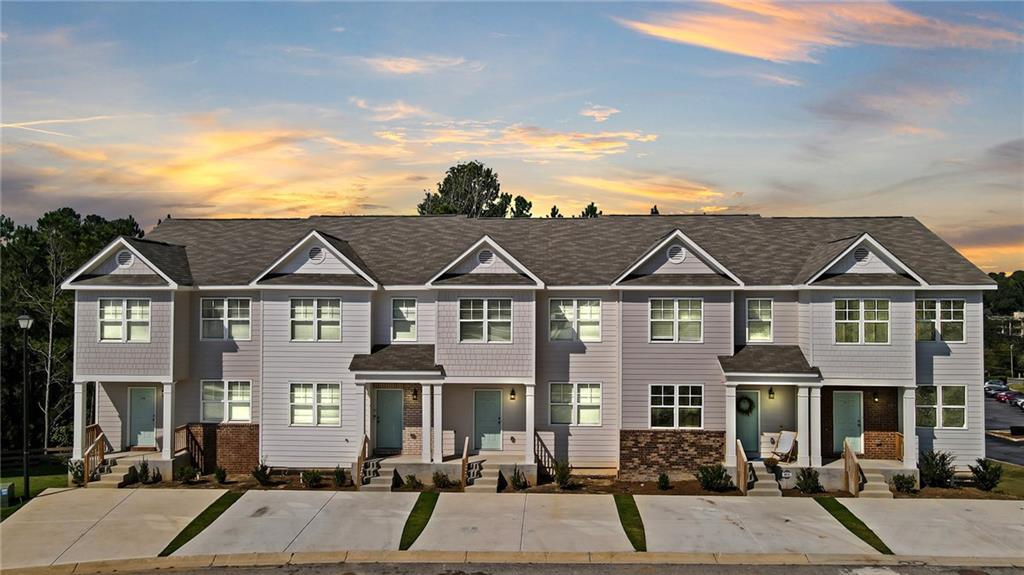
[[465, 463], [899, 446], [851, 469], [364, 451], [543, 456], [185, 440], [93, 456], [742, 468]]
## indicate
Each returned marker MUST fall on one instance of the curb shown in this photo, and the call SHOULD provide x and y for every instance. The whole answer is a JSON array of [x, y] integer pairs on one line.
[[484, 557]]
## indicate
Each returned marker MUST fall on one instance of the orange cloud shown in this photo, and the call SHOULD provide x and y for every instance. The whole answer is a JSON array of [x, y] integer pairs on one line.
[[424, 65], [598, 113], [397, 110], [655, 188]]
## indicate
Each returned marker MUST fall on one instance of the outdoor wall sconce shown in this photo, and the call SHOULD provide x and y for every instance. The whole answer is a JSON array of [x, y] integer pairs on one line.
[[415, 394], [512, 395], [771, 393], [874, 397]]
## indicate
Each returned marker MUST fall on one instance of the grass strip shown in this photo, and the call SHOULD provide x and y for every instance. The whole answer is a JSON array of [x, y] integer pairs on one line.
[[202, 521], [1013, 479], [40, 477], [632, 523], [853, 523], [418, 519]]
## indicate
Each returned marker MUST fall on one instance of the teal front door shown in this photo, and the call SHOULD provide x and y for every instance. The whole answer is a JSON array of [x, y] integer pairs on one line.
[[142, 417], [389, 420], [846, 420], [487, 419], [748, 420]]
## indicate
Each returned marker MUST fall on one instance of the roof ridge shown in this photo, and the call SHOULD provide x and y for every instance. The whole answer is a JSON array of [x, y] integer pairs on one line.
[[154, 242]]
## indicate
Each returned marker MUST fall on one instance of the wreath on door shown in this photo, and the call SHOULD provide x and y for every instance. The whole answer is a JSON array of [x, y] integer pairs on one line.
[[745, 405]]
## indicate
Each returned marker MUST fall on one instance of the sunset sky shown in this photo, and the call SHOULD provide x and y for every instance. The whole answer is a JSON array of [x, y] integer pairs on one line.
[[232, 109]]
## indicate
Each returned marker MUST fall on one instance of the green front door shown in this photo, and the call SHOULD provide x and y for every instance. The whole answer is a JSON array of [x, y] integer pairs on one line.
[[389, 420], [846, 420], [748, 420], [142, 417], [487, 419]]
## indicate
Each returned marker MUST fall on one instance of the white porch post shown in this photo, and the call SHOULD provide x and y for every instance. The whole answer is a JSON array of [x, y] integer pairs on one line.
[[425, 415], [815, 427], [168, 402], [730, 425], [438, 427], [79, 422], [803, 442], [528, 448], [910, 427]]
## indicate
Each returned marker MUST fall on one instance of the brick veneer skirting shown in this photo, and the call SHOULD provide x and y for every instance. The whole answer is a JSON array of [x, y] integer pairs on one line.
[[644, 453], [881, 421], [233, 446]]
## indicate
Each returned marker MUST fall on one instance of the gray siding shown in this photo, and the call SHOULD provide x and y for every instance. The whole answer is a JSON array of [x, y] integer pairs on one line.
[[299, 262], [109, 267], [95, 359], [458, 409], [182, 334], [645, 363], [876, 263], [785, 317], [580, 362], [658, 263], [112, 412], [486, 359], [471, 265], [425, 315]]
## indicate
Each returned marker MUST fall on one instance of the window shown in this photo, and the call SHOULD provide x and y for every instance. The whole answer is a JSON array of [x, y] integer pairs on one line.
[[575, 404], [942, 406], [574, 319], [124, 320], [316, 319], [227, 401], [862, 321], [759, 320], [315, 404], [225, 318], [940, 320], [403, 320], [677, 320], [677, 406], [485, 320]]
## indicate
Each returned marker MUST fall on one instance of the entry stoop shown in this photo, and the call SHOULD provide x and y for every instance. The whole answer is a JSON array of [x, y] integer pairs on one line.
[[485, 479], [765, 484], [381, 476], [875, 487]]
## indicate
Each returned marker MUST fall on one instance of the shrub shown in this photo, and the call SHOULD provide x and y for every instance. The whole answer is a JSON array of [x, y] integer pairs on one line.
[[563, 474], [76, 467], [339, 476], [144, 471], [518, 479], [936, 469], [132, 476], [441, 480], [808, 481], [220, 474], [771, 463], [187, 474], [904, 483], [413, 482], [157, 476], [986, 474], [663, 483], [261, 473], [311, 478], [714, 477]]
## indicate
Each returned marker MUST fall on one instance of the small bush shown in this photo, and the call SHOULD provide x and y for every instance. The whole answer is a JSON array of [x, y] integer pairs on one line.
[[220, 474], [339, 476], [563, 474], [987, 474], [714, 477], [76, 467], [518, 480], [663, 482], [311, 478], [808, 481], [441, 480], [412, 482], [132, 477], [187, 474], [261, 473], [936, 469], [904, 483], [144, 471], [771, 463], [157, 476]]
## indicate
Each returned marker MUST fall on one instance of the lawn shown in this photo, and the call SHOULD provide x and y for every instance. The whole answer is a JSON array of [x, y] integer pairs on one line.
[[1017, 387], [418, 519], [632, 523], [1013, 480], [202, 521], [853, 523], [40, 477]]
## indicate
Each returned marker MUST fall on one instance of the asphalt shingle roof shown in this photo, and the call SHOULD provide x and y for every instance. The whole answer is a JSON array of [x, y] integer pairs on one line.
[[170, 257], [766, 359], [314, 280], [484, 280], [396, 357]]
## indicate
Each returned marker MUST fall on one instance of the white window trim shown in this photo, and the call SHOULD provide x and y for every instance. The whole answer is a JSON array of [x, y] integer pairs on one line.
[[575, 404], [938, 320], [316, 320], [860, 321], [124, 320], [938, 407], [771, 322], [415, 322], [224, 319], [486, 321], [224, 401], [576, 320], [675, 320], [316, 404], [675, 408]]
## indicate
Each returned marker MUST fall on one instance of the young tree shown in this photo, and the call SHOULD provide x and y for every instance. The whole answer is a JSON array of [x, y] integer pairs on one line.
[[521, 208], [590, 211], [554, 212]]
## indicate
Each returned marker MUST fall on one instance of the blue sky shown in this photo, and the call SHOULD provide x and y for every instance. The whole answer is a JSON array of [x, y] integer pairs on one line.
[[233, 109]]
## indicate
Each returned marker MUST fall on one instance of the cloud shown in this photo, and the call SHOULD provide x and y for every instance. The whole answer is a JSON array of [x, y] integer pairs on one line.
[[676, 193], [798, 32], [598, 113], [424, 65], [32, 125], [338, 29], [591, 144], [397, 110]]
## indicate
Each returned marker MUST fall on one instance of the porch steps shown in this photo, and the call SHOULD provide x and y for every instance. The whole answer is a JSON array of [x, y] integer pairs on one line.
[[875, 487], [765, 484], [378, 476], [112, 475], [482, 479]]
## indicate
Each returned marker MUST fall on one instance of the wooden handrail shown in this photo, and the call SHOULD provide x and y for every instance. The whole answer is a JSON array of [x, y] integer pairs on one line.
[[851, 469], [899, 446], [543, 455], [742, 477], [357, 480], [465, 462], [97, 451], [185, 440]]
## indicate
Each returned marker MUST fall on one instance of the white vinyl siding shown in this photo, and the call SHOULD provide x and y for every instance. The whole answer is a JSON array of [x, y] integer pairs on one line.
[[676, 406], [226, 318], [941, 320], [315, 319], [574, 320], [575, 404], [679, 320], [313, 404], [485, 320], [124, 320], [759, 320], [403, 319], [226, 401]]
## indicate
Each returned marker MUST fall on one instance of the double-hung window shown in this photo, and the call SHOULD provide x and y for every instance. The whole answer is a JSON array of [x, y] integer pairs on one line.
[[940, 320], [941, 406], [403, 320], [575, 404], [227, 401], [315, 404], [485, 320], [574, 320], [316, 319], [861, 321], [124, 320], [677, 320], [759, 320], [677, 406], [226, 318]]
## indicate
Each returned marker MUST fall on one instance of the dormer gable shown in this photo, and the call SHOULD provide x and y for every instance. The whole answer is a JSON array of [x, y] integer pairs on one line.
[[317, 259], [676, 260], [129, 262], [485, 264], [865, 260]]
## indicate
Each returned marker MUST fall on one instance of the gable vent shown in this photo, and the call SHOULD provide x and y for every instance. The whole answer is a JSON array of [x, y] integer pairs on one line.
[[485, 257], [676, 254], [125, 258], [861, 255], [317, 255]]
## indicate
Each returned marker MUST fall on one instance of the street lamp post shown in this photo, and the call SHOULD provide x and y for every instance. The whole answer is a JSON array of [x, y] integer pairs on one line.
[[24, 322], [1011, 360]]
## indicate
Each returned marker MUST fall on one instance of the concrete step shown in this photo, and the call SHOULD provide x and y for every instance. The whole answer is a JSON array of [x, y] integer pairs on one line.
[[876, 495], [874, 478], [108, 481], [375, 487], [482, 488], [876, 490], [764, 492]]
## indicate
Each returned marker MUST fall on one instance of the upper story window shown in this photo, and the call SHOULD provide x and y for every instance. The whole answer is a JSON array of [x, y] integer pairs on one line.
[[226, 318], [575, 404], [403, 320], [574, 319], [124, 320], [677, 320], [485, 320], [942, 406], [861, 321], [677, 406], [315, 404], [940, 320], [316, 319], [759, 320], [227, 400]]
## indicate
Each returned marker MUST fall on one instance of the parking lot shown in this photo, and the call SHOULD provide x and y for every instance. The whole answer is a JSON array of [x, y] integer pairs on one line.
[[1002, 416]]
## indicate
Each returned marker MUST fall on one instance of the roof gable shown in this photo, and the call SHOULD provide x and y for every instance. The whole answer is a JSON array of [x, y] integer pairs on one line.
[[865, 256], [314, 259], [485, 264], [690, 260], [154, 264]]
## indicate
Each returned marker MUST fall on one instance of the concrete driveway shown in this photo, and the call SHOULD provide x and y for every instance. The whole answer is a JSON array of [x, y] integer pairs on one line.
[[743, 525], [67, 526], [947, 527]]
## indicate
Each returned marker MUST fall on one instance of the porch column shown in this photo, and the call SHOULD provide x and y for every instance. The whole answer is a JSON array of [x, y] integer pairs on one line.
[[438, 427], [910, 427], [168, 403], [79, 422], [425, 415], [528, 448], [815, 427], [803, 442], [730, 425]]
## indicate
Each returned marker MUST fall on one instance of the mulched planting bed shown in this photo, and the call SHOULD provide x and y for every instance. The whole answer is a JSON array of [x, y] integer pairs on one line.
[[956, 493], [798, 493], [610, 485]]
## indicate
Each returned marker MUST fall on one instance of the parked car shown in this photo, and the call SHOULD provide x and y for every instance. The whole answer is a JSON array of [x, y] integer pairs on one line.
[[1007, 396], [1019, 402], [993, 388]]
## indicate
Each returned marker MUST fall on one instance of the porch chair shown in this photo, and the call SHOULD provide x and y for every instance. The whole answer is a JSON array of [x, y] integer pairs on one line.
[[785, 449]]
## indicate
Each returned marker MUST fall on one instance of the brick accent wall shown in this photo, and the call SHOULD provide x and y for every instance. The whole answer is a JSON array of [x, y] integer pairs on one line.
[[644, 453], [881, 421], [233, 446]]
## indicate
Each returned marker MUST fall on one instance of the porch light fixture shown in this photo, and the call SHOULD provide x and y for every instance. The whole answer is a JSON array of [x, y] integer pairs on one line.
[[415, 394], [771, 393], [874, 397], [512, 395]]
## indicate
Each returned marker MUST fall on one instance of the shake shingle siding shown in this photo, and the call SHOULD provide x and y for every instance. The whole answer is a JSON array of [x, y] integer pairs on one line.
[[95, 358], [486, 359]]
